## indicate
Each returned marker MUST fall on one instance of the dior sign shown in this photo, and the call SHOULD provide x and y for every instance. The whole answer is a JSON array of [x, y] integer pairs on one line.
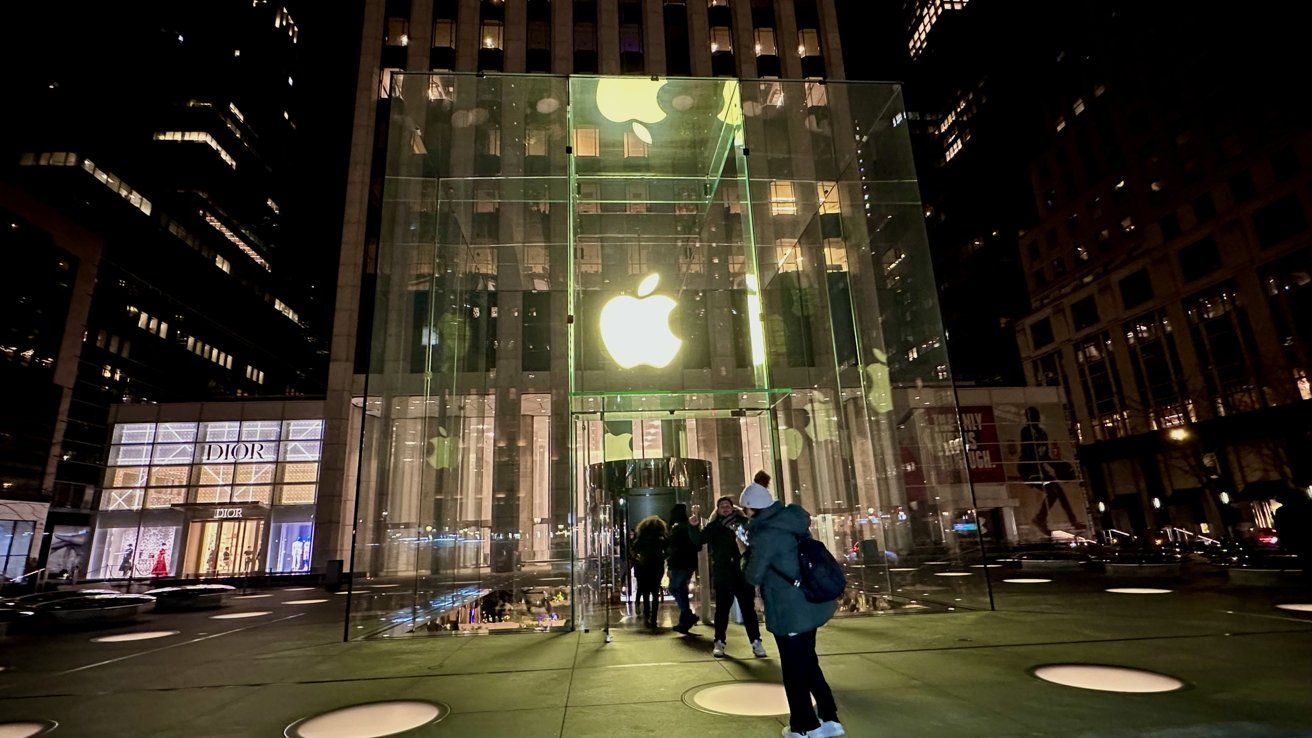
[[240, 451]]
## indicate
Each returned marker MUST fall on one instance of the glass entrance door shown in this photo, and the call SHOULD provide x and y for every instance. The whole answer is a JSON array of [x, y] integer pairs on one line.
[[223, 548], [629, 466]]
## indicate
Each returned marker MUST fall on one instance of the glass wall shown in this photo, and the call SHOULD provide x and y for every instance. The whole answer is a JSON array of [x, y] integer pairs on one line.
[[667, 274]]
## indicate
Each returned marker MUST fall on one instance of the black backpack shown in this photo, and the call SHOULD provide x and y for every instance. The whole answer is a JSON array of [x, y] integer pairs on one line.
[[821, 578]]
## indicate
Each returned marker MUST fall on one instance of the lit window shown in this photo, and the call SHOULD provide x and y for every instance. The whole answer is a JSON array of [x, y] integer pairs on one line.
[[787, 255], [808, 42], [721, 40], [827, 193], [586, 141], [198, 137], [385, 83], [1078, 107], [782, 199], [491, 34], [765, 45], [1127, 224], [491, 139], [637, 197], [486, 200], [634, 146], [1061, 123], [398, 30], [444, 33], [1098, 90], [835, 255], [535, 142], [817, 95]]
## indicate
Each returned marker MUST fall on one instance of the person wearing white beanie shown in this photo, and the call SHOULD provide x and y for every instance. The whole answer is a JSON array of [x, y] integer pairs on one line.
[[770, 562]]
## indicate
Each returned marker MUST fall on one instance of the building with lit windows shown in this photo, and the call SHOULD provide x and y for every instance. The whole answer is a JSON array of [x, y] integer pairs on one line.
[[149, 208], [1168, 270], [600, 258]]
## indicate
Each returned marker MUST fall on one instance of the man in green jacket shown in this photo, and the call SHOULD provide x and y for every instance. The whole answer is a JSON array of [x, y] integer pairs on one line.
[[770, 563]]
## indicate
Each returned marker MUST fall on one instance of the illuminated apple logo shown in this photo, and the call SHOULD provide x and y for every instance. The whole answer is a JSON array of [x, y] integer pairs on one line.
[[444, 450], [624, 99], [636, 330]]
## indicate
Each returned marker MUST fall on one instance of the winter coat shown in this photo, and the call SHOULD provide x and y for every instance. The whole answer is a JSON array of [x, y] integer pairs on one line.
[[722, 546], [681, 550], [771, 564]]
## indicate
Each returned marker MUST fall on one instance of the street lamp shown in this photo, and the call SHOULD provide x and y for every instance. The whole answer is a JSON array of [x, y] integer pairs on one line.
[[1178, 434]]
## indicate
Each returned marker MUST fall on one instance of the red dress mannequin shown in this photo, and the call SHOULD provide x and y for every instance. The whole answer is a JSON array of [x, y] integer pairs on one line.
[[161, 567]]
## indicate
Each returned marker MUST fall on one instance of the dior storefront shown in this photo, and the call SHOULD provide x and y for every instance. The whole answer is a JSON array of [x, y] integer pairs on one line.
[[208, 490]]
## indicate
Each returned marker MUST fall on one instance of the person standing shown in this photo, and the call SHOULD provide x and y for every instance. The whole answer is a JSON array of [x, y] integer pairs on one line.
[[770, 562], [648, 555], [681, 557], [720, 538]]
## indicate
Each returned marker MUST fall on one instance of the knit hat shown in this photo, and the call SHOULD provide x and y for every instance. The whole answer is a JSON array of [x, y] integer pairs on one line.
[[756, 497]]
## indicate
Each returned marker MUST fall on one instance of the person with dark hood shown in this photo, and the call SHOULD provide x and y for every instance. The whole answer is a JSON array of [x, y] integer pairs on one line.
[[681, 555], [770, 562], [647, 553], [720, 538]]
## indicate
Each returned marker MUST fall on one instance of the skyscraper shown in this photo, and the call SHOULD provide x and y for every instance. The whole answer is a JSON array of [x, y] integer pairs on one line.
[[145, 181]]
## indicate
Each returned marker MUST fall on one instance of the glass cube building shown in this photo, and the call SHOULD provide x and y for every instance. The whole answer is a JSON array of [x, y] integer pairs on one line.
[[601, 296]]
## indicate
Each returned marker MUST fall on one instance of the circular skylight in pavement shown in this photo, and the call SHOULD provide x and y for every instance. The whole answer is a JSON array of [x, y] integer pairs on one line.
[[249, 597], [303, 602], [1108, 678], [754, 699], [1296, 607], [26, 728], [240, 615], [1139, 591], [141, 635], [1027, 580], [369, 721], [952, 574]]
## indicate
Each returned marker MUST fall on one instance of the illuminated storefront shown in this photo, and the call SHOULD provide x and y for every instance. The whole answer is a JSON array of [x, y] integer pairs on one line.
[[597, 295], [215, 490]]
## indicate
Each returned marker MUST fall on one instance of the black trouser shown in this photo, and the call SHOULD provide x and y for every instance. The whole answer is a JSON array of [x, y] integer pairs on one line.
[[802, 680], [736, 588], [649, 593]]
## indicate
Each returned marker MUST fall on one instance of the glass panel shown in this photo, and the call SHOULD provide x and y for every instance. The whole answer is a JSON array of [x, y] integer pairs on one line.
[[591, 310]]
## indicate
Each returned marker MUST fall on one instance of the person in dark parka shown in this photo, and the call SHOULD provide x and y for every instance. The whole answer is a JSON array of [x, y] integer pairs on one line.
[[720, 538], [681, 557], [647, 553], [770, 563]]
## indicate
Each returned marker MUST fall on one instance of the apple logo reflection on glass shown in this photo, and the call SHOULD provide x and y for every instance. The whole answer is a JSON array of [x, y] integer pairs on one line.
[[636, 330]]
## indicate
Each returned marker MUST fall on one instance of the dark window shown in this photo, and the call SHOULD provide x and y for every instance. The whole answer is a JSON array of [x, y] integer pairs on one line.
[[1199, 259], [1058, 268], [1280, 220], [1102, 386], [1204, 207], [1288, 284], [1170, 226], [1157, 370], [1136, 289], [1241, 186], [1047, 370], [1033, 248], [535, 348], [1040, 277], [1073, 223], [1284, 164], [1041, 332], [1084, 313], [1223, 341]]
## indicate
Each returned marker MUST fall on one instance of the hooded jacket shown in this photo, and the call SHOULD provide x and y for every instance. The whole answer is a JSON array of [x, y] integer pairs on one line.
[[771, 564], [722, 545]]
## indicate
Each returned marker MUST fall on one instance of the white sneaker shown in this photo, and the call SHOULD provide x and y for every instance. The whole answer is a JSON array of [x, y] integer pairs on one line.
[[828, 729], [758, 650], [788, 733], [718, 650]]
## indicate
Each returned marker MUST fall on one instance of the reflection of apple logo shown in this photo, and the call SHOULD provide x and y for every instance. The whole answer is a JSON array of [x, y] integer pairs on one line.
[[444, 450], [636, 330]]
